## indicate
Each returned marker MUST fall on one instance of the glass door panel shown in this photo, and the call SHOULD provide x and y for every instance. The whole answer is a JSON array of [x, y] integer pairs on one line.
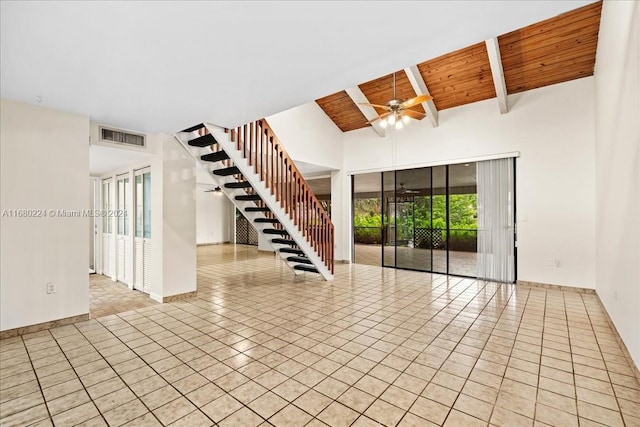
[[146, 204], [367, 219], [123, 249], [463, 220], [388, 219], [413, 186], [439, 218], [108, 243]]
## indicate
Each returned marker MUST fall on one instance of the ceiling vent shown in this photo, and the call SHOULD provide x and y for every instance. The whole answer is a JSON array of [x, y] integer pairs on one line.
[[122, 137]]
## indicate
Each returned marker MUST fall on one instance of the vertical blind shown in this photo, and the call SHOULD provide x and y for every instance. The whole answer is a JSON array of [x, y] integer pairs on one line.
[[496, 232]]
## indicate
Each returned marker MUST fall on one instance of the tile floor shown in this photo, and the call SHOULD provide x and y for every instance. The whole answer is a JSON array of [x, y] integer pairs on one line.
[[261, 347], [109, 297], [460, 263]]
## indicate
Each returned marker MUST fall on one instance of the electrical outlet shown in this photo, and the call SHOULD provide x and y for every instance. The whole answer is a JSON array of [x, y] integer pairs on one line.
[[51, 288]]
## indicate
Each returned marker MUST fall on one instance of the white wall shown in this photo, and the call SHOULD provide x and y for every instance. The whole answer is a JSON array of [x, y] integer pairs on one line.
[[213, 216], [177, 219], [309, 135], [553, 130], [44, 164], [618, 169]]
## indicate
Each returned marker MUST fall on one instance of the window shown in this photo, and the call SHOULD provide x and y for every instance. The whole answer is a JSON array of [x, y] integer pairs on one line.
[[143, 203], [106, 206], [122, 215]]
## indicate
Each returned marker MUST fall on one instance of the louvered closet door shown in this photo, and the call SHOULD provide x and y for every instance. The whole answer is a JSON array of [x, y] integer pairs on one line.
[[146, 266], [138, 275], [106, 250], [121, 256], [124, 260]]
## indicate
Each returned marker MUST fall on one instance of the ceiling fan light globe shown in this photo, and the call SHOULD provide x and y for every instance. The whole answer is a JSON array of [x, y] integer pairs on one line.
[[383, 124], [399, 124], [405, 119], [391, 120]]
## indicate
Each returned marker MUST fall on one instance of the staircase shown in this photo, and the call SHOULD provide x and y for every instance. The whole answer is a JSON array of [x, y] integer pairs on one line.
[[256, 173]]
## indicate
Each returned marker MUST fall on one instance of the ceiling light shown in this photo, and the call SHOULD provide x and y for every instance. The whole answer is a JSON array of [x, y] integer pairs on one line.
[[399, 124], [217, 191], [383, 124], [405, 119], [392, 120]]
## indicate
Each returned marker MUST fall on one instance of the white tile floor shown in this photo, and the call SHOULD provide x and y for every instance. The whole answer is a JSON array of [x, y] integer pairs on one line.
[[259, 346], [460, 263]]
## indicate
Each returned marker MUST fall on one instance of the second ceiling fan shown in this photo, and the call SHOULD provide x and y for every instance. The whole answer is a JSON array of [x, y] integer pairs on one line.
[[398, 111]]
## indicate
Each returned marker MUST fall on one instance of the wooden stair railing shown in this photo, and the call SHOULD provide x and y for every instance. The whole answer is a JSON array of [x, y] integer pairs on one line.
[[262, 149]]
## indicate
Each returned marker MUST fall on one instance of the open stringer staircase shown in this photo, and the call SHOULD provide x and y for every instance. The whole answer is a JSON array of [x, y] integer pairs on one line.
[[256, 173]]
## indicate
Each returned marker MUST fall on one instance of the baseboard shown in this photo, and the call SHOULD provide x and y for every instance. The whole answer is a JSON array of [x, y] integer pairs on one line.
[[213, 244], [627, 355], [179, 297], [556, 287], [43, 326]]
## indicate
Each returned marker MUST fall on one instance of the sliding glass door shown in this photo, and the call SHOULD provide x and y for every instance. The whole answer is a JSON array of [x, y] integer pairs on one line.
[[429, 219]]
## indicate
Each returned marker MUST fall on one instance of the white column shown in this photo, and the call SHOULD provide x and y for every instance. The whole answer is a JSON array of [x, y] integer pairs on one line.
[[341, 214], [173, 220]]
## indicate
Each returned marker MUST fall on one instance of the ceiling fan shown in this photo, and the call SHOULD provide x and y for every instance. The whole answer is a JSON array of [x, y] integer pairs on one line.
[[216, 190], [398, 112]]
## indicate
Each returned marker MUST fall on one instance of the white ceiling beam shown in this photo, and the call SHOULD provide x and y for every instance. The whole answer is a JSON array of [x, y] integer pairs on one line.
[[493, 50], [418, 84], [358, 97]]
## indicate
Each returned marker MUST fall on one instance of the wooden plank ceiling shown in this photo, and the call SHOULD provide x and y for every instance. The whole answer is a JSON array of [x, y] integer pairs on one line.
[[556, 50]]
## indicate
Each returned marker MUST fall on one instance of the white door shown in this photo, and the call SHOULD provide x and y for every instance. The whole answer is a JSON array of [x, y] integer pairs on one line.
[[142, 232], [123, 254], [108, 241]]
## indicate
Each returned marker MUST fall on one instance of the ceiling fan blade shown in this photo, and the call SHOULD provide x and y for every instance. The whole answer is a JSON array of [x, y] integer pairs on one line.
[[380, 117], [374, 105], [415, 101], [418, 115]]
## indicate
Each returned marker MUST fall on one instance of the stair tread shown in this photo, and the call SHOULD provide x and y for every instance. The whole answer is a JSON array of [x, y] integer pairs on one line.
[[256, 209], [214, 157], [239, 184], [227, 171], [203, 141], [275, 231], [284, 241], [305, 267], [291, 251], [299, 259], [267, 220], [248, 197], [193, 128]]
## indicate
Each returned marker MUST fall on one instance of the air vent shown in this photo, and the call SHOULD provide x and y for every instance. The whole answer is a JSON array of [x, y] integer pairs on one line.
[[120, 137]]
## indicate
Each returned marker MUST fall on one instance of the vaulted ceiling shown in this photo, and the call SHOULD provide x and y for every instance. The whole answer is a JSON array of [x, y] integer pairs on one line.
[[552, 51], [160, 66]]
